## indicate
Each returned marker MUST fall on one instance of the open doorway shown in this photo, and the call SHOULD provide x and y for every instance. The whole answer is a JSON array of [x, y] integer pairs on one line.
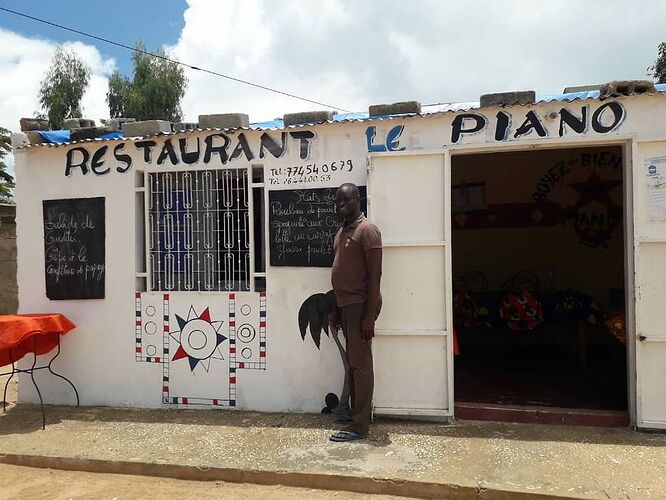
[[539, 278]]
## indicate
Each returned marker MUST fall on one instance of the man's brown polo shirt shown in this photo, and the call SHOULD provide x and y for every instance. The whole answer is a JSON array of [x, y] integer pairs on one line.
[[349, 275]]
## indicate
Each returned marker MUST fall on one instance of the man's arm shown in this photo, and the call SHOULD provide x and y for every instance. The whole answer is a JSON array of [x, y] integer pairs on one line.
[[373, 258]]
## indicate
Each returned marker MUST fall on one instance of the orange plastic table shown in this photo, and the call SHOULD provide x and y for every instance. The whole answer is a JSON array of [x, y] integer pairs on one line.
[[38, 334]]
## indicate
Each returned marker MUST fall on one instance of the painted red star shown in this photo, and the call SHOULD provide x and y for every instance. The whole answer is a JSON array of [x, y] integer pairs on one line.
[[199, 339], [594, 189]]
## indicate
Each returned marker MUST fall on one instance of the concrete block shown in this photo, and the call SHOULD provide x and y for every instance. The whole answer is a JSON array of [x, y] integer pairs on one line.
[[8, 224], [508, 98], [116, 123], [71, 123], [79, 134], [8, 252], [34, 137], [626, 87], [8, 210], [19, 140], [307, 117], [580, 88], [183, 126], [224, 120], [397, 108], [34, 124], [148, 127]]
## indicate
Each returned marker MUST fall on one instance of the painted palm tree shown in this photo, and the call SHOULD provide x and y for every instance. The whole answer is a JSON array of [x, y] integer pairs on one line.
[[314, 315]]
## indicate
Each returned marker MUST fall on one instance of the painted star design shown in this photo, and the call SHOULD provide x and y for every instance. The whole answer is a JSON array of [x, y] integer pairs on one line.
[[199, 339], [594, 189]]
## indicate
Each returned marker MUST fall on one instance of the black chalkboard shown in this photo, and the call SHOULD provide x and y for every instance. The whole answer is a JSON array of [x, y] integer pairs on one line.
[[74, 252], [302, 225]]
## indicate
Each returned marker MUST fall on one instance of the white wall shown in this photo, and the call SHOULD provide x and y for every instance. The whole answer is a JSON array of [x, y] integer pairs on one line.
[[99, 354]]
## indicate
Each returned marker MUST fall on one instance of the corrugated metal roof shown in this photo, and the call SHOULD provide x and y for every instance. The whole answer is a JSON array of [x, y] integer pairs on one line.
[[426, 110]]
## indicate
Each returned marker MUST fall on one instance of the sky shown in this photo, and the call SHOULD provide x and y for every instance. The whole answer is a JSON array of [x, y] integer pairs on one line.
[[344, 53]]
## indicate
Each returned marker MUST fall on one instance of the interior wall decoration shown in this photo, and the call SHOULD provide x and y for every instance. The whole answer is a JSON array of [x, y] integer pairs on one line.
[[595, 215], [201, 342], [468, 197], [503, 215]]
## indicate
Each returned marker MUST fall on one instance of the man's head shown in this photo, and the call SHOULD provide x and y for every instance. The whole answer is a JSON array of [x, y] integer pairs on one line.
[[348, 201]]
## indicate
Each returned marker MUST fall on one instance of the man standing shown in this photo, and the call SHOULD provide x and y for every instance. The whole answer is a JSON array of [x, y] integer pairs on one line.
[[356, 276]]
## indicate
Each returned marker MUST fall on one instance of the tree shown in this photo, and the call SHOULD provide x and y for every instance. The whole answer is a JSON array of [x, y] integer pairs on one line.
[[6, 180], [658, 69], [63, 87], [155, 91]]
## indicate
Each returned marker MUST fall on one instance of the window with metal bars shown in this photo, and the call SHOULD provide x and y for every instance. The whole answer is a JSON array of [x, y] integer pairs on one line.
[[199, 230]]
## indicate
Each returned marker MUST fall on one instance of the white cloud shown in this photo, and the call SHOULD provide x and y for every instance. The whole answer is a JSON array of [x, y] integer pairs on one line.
[[352, 54], [23, 64]]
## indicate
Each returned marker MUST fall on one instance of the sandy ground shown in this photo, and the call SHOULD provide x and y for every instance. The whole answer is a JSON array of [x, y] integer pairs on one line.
[[12, 389], [42, 484]]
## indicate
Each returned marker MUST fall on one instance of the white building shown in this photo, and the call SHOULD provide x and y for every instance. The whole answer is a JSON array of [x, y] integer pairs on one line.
[[203, 246]]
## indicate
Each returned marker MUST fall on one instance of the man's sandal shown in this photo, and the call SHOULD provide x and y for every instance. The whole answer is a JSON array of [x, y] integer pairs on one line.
[[345, 436]]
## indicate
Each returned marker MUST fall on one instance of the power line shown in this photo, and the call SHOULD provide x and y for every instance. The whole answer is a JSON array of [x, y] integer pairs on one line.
[[158, 56]]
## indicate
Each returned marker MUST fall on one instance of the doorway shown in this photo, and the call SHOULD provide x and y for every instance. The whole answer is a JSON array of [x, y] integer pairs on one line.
[[539, 280]]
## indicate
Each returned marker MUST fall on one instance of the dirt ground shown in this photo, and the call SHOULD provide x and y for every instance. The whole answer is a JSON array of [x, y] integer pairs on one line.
[[12, 389], [42, 484]]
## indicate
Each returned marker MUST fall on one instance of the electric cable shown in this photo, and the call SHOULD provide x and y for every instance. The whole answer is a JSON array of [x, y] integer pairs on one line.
[[158, 56]]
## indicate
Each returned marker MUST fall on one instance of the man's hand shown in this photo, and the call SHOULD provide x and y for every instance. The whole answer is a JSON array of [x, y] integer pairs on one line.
[[334, 319], [368, 328]]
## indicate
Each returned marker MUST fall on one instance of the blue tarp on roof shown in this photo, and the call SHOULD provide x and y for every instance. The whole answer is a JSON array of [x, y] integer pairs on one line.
[[61, 136]]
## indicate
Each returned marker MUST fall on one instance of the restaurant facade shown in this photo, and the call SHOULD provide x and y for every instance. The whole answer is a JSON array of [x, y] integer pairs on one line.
[[524, 259]]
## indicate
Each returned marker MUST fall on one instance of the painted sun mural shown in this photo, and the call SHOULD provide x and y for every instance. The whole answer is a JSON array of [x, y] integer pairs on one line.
[[199, 339], [201, 342]]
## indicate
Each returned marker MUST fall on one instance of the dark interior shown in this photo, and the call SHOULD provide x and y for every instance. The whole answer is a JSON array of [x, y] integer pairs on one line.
[[538, 261]]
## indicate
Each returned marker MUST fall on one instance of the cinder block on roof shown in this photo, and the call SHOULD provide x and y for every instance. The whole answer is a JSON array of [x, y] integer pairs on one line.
[[508, 98], [80, 134], [34, 137], [34, 124], [224, 120], [581, 88], [116, 123], [72, 123], [307, 117], [184, 126], [19, 140], [626, 87], [397, 108], [148, 127]]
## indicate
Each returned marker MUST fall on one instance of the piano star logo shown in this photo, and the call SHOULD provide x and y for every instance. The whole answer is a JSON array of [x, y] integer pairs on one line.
[[198, 338], [595, 215]]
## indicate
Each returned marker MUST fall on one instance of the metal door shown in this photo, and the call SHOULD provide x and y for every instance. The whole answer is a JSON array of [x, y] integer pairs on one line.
[[408, 199], [649, 242]]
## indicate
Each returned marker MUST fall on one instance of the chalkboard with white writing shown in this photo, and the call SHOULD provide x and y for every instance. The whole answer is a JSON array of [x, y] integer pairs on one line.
[[302, 226], [74, 248]]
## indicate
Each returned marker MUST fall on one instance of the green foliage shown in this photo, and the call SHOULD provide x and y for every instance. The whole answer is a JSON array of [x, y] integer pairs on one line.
[[6, 180], [154, 93], [63, 87], [658, 69]]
